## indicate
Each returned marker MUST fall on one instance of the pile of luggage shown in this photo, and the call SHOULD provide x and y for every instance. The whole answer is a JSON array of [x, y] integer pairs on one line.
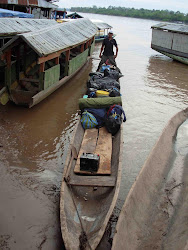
[[101, 106], [104, 83]]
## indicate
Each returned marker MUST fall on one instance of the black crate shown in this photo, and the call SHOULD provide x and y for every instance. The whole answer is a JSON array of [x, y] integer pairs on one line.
[[89, 162]]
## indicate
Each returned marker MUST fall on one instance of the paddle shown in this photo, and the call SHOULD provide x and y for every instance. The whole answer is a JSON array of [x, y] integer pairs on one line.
[[74, 156]]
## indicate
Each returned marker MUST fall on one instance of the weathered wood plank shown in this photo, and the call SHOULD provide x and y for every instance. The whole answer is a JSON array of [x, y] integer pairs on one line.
[[104, 149], [88, 146], [97, 144], [95, 181]]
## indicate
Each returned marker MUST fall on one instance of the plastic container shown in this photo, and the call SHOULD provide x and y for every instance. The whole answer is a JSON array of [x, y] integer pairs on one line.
[[102, 93]]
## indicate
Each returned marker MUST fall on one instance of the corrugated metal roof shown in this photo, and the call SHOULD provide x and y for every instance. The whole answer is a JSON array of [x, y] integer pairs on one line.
[[173, 27], [58, 37], [100, 24], [12, 26], [47, 5]]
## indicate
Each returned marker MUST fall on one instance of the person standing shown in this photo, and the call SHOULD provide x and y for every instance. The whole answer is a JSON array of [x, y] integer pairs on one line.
[[108, 54]]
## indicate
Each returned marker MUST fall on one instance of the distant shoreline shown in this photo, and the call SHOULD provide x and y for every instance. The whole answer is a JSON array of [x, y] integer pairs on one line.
[[157, 15]]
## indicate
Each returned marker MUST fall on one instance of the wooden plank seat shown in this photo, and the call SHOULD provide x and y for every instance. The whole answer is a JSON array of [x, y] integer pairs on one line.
[[96, 142], [93, 181]]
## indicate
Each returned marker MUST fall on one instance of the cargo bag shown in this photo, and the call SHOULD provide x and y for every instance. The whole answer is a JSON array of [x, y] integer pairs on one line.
[[114, 74], [116, 110], [113, 123], [88, 120], [99, 114]]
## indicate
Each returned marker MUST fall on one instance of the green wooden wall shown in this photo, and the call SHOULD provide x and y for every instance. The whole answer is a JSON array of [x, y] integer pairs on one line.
[[91, 49], [77, 62], [10, 75], [51, 76]]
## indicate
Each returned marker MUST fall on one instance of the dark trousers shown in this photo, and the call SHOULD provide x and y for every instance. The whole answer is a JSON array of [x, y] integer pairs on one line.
[[104, 59]]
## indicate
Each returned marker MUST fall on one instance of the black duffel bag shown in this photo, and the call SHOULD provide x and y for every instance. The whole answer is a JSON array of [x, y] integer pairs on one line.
[[113, 124]]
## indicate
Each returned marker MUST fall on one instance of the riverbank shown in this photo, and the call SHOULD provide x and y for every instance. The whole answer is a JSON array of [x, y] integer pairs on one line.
[[160, 15]]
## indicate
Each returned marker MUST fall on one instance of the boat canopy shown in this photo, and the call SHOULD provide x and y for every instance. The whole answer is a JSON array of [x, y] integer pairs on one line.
[[57, 37], [13, 26], [172, 27], [74, 15], [101, 25], [11, 13]]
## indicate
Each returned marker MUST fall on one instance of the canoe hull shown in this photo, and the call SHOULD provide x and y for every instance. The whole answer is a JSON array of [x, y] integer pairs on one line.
[[141, 205], [93, 208]]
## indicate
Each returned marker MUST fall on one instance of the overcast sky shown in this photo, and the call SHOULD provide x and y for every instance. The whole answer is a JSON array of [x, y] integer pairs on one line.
[[175, 5]]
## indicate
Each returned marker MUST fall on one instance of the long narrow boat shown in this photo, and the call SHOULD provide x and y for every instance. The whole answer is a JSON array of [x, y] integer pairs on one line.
[[39, 62], [171, 40], [88, 199], [150, 209]]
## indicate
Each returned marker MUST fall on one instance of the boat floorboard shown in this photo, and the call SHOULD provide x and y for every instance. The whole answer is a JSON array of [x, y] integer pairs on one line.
[[99, 143]]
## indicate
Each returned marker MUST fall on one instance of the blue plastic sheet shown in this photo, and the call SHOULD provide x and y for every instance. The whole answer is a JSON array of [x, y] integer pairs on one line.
[[11, 13]]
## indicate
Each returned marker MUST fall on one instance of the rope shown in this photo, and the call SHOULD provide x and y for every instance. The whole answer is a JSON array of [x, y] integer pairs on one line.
[[83, 237]]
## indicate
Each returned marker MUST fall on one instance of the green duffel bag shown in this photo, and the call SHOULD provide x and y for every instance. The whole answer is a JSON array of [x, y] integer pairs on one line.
[[100, 102]]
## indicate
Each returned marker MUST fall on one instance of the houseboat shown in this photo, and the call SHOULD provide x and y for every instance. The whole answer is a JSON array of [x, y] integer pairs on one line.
[[10, 27], [103, 29], [171, 40], [39, 62]]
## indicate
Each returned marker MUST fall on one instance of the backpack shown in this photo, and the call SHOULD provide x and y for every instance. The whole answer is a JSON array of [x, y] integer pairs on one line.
[[88, 120], [116, 110], [113, 123], [99, 114]]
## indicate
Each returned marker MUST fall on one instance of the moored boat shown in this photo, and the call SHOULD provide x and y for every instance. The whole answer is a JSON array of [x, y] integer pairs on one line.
[[89, 197], [39, 62], [171, 40], [156, 202], [103, 29]]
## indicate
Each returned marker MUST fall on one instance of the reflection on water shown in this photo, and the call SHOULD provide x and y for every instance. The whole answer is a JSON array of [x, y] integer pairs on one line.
[[34, 141], [166, 75], [34, 144]]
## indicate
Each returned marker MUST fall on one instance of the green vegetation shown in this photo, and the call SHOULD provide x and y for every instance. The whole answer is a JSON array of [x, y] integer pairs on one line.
[[164, 15]]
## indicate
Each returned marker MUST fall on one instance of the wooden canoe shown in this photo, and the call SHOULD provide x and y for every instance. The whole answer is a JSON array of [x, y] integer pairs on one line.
[[87, 202], [148, 213]]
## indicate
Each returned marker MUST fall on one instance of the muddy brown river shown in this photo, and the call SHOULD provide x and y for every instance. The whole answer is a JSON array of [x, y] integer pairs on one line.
[[34, 142]]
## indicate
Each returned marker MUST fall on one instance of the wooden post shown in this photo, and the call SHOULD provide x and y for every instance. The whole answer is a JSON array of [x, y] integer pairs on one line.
[[87, 44], [90, 41], [67, 55], [8, 69], [41, 75], [57, 60], [82, 48], [18, 64], [67, 62]]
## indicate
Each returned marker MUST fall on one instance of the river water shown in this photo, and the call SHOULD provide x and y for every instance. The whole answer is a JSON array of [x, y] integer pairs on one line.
[[34, 142]]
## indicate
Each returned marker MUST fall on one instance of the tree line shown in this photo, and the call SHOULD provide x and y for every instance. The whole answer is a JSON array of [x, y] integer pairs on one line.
[[163, 15]]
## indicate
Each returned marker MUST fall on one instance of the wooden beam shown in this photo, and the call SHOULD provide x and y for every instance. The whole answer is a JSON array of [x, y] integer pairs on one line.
[[67, 55], [87, 44], [42, 66], [8, 58], [82, 48], [90, 41], [57, 60], [93, 181], [49, 57]]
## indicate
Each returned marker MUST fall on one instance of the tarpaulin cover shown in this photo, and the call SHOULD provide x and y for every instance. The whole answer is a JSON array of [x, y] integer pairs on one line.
[[11, 13], [102, 102]]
